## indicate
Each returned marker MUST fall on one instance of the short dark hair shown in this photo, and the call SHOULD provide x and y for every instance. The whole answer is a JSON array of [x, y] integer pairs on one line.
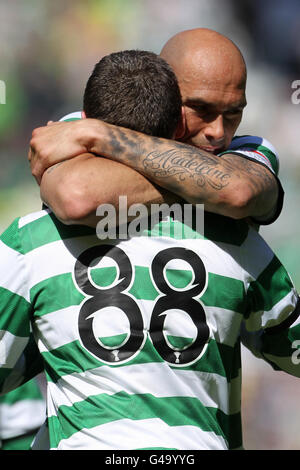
[[134, 89]]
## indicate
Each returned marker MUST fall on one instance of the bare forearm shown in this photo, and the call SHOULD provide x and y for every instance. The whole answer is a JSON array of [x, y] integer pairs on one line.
[[229, 185], [265, 190], [75, 188]]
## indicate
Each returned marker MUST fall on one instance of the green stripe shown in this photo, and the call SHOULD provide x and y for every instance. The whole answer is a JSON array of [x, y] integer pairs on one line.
[[225, 292], [103, 277], [143, 287], [179, 342], [174, 229], [15, 312], [101, 409], [11, 236], [18, 443], [28, 391], [73, 358], [48, 229], [271, 286], [59, 291], [54, 294], [220, 359]]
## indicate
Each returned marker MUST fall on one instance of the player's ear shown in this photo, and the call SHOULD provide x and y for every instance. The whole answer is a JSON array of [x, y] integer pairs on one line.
[[83, 115], [181, 126]]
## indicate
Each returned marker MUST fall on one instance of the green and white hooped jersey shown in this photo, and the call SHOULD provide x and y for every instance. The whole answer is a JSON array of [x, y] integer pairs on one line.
[[140, 337]]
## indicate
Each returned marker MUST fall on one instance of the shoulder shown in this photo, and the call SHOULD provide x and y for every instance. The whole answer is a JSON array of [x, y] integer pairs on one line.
[[13, 237]]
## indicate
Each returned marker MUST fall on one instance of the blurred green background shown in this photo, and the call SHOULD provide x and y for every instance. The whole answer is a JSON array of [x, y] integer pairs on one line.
[[47, 51]]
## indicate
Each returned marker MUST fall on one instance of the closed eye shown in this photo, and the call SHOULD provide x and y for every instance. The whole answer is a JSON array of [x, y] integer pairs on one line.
[[233, 113]]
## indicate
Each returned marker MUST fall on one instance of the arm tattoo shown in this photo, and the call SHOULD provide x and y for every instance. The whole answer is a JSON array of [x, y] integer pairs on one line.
[[190, 173], [185, 165], [169, 161], [259, 176]]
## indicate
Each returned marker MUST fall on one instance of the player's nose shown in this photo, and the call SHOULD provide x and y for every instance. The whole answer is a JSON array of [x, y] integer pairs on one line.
[[215, 131]]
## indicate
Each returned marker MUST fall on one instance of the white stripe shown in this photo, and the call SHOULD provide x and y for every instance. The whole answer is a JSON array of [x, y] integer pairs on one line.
[[57, 328], [54, 258], [12, 271], [126, 434], [224, 324], [156, 379], [11, 348], [27, 219], [21, 417]]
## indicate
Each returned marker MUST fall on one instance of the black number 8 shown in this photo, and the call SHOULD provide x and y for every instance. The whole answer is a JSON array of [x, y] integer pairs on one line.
[[116, 297], [184, 301]]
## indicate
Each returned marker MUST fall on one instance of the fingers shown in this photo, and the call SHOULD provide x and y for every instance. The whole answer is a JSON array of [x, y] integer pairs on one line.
[[36, 170], [38, 164], [49, 145], [34, 157]]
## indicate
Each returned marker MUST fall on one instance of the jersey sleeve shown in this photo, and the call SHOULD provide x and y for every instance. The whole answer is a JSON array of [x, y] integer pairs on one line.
[[262, 152], [17, 347], [72, 116], [272, 326]]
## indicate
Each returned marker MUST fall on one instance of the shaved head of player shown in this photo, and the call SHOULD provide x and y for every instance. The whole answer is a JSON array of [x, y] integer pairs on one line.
[[212, 74]]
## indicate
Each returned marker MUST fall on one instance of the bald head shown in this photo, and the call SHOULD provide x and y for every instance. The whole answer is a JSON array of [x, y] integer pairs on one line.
[[198, 50], [211, 73]]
